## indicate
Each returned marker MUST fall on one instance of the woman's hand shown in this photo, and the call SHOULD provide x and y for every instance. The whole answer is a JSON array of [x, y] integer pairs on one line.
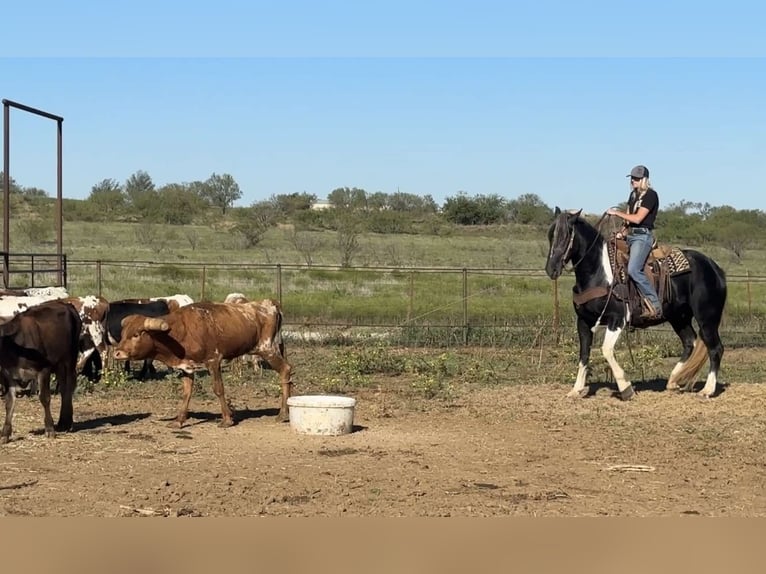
[[613, 211]]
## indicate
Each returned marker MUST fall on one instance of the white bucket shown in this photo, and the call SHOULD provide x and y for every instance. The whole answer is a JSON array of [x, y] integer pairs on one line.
[[321, 414]]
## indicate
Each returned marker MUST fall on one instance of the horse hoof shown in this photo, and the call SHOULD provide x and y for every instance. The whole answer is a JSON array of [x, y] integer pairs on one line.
[[578, 393], [628, 393], [4, 439], [175, 424], [50, 433], [225, 423], [672, 387], [703, 396]]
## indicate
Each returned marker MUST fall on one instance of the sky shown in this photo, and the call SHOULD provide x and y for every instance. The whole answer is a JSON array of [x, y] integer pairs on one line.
[[558, 99]]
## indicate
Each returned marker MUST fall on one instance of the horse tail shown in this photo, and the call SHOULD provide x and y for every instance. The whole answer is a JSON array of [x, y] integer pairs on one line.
[[692, 365]]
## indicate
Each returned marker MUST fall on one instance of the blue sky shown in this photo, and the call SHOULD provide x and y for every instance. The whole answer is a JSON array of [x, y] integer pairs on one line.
[[559, 99]]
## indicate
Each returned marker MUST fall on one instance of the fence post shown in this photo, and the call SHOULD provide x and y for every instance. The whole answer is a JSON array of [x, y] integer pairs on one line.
[[749, 298], [32, 268], [279, 283], [202, 289], [411, 302], [465, 306], [556, 316], [98, 277]]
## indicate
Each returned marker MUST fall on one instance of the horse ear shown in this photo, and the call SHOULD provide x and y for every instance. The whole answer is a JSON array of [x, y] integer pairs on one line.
[[556, 212]]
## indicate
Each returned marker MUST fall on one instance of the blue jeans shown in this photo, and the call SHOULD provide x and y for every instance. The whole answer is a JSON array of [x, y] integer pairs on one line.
[[639, 246]]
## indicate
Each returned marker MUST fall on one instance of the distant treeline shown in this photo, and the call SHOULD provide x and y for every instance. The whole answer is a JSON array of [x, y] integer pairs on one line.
[[351, 211]]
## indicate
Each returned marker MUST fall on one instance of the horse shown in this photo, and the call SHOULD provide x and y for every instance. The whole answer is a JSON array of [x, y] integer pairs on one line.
[[699, 294]]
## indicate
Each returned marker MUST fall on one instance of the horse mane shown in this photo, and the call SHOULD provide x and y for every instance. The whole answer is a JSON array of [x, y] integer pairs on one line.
[[587, 229]]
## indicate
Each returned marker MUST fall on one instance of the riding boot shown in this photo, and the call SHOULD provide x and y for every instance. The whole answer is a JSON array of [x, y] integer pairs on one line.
[[649, 312]]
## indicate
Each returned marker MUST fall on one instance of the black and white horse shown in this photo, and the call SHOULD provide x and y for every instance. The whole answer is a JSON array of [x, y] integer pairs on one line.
[[698, 294]]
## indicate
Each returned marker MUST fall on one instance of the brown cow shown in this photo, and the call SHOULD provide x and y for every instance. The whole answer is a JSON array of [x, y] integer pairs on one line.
[[33, 345], [238, 364], [200, 336]]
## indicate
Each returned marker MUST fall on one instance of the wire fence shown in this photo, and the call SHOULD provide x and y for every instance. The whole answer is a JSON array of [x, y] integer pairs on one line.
[[412, 305]]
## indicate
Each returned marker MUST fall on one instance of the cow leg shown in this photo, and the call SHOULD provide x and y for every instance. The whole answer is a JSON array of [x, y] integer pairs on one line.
[[281, 366], [68, 377], [44, 384], [10, 402], [183, 409], [215, 370]]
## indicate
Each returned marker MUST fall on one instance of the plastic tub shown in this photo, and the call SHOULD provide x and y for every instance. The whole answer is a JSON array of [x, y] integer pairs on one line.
[[321, 414]]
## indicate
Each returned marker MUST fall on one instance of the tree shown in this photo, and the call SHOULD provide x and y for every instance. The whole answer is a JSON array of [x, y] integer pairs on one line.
[[348, 198], [221, 191], [107, 197], [290, 203], [408, 202], [253, 222], [479, 210], [529, 209], [34, 193], [13, 186], [736, 230], [141, 195], [306, 243], [177, 204], [347, 229]]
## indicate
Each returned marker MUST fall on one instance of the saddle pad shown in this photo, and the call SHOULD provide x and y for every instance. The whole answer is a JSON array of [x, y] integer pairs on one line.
[[677, 262]]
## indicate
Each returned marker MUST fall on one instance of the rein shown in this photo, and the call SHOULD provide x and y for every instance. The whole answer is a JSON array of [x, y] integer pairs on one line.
[[592, 243]]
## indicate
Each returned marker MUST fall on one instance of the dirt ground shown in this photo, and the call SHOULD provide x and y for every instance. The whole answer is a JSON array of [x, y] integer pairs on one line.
[[518, 449]]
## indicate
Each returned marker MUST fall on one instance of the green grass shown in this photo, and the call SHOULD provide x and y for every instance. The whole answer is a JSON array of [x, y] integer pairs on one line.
[[416, 282]]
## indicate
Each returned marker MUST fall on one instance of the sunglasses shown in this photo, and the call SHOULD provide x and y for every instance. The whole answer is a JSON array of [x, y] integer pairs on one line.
[[634, 178]]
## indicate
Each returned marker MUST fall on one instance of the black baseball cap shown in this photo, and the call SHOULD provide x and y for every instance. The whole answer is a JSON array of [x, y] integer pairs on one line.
[[640, 171]]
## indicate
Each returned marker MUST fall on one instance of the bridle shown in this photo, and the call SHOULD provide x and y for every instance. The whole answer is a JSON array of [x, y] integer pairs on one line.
[[587, 250]]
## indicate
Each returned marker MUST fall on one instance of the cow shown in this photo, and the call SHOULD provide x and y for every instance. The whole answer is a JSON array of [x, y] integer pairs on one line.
[[239, 363], [174, 301], [92, 311], [41, 341], [199, 336], [118, 310]]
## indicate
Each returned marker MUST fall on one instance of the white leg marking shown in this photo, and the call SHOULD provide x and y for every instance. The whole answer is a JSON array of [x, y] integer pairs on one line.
[[610, 340], [672, 384], [710, 384], [582, 377]]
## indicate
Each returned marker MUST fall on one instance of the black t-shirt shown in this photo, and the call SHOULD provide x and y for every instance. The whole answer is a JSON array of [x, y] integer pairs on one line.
[[650, 201]]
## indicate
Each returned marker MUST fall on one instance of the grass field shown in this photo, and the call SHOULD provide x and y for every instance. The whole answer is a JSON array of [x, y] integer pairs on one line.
[[482, 285]]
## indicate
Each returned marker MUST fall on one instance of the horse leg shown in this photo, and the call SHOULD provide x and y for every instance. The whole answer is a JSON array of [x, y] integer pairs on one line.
[[607, 349], [586, 340], [709, 334], [685, 332]]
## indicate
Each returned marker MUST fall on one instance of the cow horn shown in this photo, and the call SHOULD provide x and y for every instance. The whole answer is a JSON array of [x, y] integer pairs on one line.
[[155, 324]]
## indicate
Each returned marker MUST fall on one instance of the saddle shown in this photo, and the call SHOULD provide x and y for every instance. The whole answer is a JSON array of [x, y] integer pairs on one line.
[[664, 261]]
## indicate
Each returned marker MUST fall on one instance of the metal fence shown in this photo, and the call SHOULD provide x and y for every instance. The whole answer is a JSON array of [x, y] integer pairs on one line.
[[423, 305]]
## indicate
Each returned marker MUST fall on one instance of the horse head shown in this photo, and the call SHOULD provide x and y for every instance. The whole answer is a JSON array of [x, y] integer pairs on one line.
[[561, 236]]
